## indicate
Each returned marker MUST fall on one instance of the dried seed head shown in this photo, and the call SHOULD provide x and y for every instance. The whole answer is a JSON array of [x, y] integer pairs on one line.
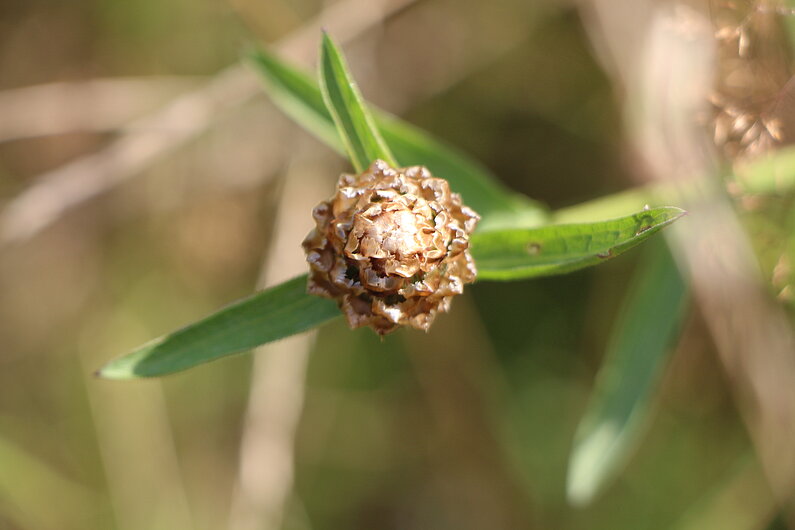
[[391, 246], [752, 94]]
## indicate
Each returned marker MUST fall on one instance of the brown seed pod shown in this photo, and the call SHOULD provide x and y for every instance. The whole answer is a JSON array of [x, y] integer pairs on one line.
[[391, 246]]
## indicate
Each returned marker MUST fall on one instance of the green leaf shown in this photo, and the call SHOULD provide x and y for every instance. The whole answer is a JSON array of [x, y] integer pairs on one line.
[[264, 317], [359, 133], [498, 206], [514, 254], [29, 484], [300, 98], [618, 409], [772, 173]]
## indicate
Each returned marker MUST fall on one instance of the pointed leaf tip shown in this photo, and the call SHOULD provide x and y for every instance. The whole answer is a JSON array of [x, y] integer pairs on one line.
[[351, 116], [519, 253], [300, 98], [263, 317]]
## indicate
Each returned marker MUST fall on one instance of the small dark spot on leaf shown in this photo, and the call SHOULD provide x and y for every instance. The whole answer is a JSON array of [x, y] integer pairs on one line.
[[645, 222], [534, 249], [606, 254]]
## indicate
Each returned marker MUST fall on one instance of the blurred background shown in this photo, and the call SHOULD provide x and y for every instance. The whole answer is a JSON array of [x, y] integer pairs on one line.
[[146, 180]]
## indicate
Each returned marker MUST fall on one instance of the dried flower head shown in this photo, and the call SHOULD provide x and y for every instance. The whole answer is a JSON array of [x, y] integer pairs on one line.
[[752, 99], [391, 246]]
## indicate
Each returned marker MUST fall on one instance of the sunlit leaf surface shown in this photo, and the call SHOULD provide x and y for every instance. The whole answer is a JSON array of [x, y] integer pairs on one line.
[[263, 317], [514, 254], [359, 133]]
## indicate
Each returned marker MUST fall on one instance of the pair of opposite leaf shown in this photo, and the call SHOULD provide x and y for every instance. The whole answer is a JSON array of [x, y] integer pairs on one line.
[[394, 244]]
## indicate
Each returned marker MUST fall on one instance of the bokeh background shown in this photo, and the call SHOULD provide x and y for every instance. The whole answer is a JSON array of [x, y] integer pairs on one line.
[[146, 180]]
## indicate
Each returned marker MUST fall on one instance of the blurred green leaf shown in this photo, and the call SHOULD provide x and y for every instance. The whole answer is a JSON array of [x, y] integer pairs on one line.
[[359, 133], [613, 422], [514, 254], [741, 499], [38, 494], [264, 317], [772, 173], [300, 98]]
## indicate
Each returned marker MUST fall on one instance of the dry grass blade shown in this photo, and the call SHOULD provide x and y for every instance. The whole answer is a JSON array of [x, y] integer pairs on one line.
[[155, 135], [265, 470], [97, 105]]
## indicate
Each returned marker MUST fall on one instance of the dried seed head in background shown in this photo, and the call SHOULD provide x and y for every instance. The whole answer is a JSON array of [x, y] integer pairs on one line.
[[754, 96], [391, 246]]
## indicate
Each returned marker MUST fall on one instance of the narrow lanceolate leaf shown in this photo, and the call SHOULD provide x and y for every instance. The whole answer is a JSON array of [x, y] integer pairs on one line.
[[614, 421], [264, 317], [497, 206], [300, 98], [514, 254], [356, 126]]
